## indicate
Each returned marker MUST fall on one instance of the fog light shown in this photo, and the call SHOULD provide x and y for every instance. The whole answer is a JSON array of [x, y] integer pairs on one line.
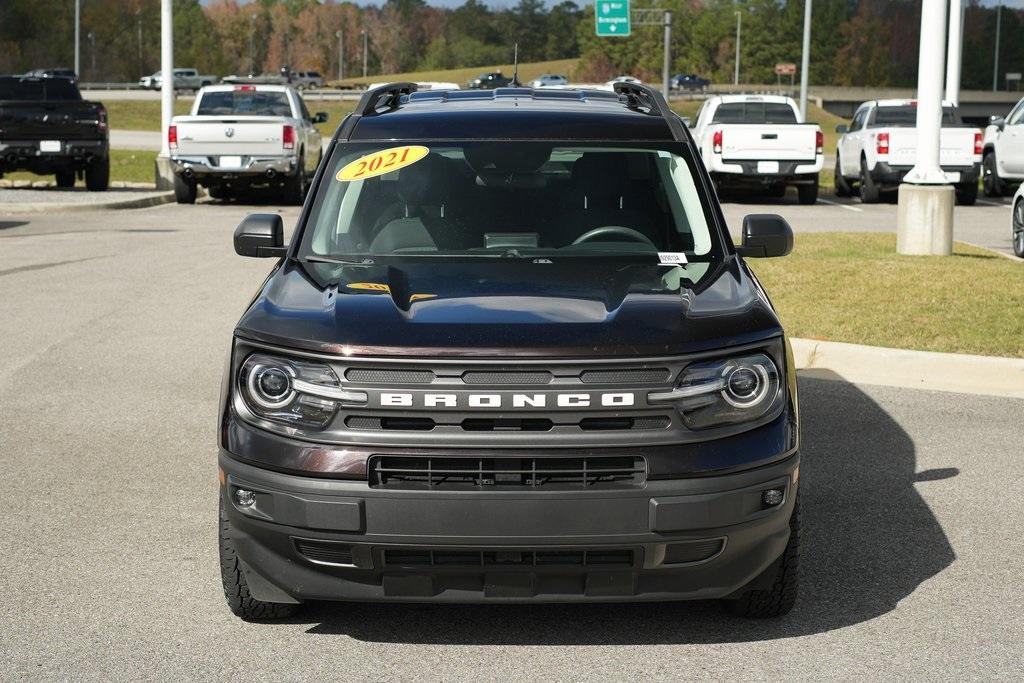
[[245, 497], [772, 497]]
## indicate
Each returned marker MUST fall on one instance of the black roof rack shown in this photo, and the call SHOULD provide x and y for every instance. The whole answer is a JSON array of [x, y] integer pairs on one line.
[[636, 93], [371, 102]]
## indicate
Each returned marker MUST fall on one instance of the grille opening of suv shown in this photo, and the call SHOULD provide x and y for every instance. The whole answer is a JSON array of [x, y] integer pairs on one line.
[[416, 557], [419, 472]]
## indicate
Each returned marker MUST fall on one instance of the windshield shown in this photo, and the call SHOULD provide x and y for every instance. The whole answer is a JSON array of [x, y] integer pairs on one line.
[[509, 199], [244, 102], [906, 117], [754, 112], [38, 89]]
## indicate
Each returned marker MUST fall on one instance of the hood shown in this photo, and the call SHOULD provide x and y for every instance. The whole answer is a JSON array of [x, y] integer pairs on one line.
[[492, 308]]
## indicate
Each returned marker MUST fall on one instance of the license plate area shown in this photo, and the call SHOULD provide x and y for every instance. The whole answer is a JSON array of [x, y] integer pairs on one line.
[[768, 167], [50, 146], [231, 162]]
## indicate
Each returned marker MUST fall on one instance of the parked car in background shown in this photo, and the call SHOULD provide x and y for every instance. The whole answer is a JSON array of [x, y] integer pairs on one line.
[[880, 146], [1017, 222], [1002, 161], [548, 81], [240, 136], [184, 79], [688, 82], [761, 143], [486, 81], [307, 79], [48, 129], [59, 72]]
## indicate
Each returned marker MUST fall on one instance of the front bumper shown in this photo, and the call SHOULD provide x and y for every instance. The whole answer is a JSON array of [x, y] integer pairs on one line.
[[325, 539], [251, 168]]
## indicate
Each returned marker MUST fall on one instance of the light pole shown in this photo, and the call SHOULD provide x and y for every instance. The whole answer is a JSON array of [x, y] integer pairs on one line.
[[341, 53], [736, 76], [953, 54], [138, 26], [805, 60], [252, 44], [365, 51], [999, 27], [163, 171], [92, 54], [78, 29]]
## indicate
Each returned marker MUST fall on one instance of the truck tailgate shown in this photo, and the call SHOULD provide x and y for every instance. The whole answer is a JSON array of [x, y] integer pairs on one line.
[[782, 142], [230, 135], [58, 120], [957, 146]]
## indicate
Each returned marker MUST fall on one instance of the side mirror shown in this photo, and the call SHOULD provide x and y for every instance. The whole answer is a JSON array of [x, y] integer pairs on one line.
[[842, 128], [320, 117], [997, 121], [765, 235], [260, 235]]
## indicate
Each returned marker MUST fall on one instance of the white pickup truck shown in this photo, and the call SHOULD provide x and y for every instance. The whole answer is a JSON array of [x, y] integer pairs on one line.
[[240, 136], [759, 142], [184, 79], [880, 147], [1002, 163]]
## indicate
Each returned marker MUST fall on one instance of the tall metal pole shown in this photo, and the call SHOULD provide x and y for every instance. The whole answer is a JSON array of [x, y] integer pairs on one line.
[[953, 51], [78, 30], [138, 22], [805, 60], [166, 71], [668, 43], [92, 55], [365, 52], [736, 77], [341, 53], [999, 30], [252, 44]]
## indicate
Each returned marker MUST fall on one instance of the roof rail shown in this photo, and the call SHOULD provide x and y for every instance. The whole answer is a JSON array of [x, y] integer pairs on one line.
[[384, 95], [635, 94]]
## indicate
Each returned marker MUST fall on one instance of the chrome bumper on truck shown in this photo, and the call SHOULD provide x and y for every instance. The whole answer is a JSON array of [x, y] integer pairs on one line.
[[248, 167], [307, 538]]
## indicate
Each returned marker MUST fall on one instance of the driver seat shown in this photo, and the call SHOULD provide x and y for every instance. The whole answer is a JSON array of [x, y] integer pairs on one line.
[[599, 196]]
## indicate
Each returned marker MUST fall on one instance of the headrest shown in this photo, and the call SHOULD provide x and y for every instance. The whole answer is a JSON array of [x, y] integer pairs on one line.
[[504, 157], [427, 182]]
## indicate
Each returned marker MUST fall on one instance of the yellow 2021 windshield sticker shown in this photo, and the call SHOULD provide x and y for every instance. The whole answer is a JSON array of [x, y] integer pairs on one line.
[[379, 163]]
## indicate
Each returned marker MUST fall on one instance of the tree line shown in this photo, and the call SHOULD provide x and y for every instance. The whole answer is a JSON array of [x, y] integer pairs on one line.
[[854, 42]]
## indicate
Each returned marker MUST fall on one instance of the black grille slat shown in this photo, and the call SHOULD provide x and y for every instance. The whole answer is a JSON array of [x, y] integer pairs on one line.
[[389, 376], [401, 472], [509, 557], [626, 376], [506, 378], [322, 551]]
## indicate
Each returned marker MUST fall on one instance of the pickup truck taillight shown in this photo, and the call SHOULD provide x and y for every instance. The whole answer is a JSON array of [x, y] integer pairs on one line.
[[102, 119], [882, 143], [716, 142], [172, 137], [978, 144], [288, 137], [819, 142]]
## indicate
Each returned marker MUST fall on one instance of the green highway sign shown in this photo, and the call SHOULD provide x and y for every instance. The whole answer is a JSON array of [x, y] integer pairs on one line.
[[611, 17]]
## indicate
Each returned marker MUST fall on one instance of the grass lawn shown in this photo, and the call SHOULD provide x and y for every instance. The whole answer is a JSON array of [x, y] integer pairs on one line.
[[128, 166], [853, 287], [527, 72], [145, 114]]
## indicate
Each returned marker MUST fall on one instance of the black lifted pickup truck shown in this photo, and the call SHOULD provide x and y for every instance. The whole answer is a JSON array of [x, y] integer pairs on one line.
[[510, 354], [47, 128]]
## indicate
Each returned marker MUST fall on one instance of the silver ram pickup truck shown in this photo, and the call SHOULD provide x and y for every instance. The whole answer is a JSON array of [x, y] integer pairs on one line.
[[240, 137]]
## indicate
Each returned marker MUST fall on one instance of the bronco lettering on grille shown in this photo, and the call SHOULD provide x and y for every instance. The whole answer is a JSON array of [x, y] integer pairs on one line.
[[507, 400]]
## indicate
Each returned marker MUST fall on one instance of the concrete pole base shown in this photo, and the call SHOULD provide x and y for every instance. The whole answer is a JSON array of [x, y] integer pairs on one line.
[[163, 173], [924, 220]]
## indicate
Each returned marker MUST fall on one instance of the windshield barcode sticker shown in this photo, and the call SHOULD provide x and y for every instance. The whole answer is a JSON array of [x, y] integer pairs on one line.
[[671, 258]]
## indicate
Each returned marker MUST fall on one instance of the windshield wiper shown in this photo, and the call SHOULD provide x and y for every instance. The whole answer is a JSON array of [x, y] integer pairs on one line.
[[340, 260]]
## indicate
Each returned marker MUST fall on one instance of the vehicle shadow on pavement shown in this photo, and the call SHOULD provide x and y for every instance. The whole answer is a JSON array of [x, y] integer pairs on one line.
[[869, 540]]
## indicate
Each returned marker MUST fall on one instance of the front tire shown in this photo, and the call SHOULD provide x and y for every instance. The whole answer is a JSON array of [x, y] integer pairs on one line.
[[784, 574], [1018, 228], [967, 195], [992, 184], [295, 185], [185, 191], [97, 175], [869, 192], [65, 179], [808, 194], [843, 188], [236, 589]]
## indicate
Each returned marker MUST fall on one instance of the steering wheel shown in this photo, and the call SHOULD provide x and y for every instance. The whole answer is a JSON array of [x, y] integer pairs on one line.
[[616, 230]]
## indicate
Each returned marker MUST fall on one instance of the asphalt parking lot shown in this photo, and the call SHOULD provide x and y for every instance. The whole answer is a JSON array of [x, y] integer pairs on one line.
[[115, 326]]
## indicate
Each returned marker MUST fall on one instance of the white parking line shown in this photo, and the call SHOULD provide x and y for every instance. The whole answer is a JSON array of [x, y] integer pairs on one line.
[[841, 206], [988, 203]]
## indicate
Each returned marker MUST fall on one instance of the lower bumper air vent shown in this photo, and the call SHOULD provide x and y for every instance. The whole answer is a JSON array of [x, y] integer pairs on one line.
[[416, 557], [325, 552]]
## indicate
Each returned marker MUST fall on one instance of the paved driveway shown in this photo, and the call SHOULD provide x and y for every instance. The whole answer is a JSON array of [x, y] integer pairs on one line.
[[114, 327]]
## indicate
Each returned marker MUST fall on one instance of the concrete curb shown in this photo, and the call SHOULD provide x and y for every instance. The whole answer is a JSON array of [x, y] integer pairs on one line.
[[952, 372], [154, 199]]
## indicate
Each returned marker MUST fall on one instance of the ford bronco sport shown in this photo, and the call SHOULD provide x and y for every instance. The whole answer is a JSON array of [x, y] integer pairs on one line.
[[510, 354]]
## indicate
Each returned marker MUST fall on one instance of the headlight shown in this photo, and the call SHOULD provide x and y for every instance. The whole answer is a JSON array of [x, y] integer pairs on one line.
[[725, 391], [294, 392]]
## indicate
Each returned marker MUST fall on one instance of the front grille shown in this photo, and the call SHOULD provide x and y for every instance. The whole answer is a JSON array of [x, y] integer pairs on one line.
[[488, 424], [386, 376], [635, 376], [597, 557], [417, 472], [504, 378], [324, 552]]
